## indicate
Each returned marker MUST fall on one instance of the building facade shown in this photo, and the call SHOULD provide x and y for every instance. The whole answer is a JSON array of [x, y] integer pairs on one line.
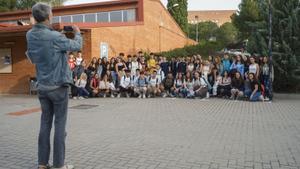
[[217, 16], [108, 28]]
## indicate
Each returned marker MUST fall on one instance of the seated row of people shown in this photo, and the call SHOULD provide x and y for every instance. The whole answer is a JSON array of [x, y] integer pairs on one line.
[[190, 85]]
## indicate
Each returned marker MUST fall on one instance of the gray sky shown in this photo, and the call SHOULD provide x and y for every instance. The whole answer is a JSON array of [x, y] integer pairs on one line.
[[193, 4]]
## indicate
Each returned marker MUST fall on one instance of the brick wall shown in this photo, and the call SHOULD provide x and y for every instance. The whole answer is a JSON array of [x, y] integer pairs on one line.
[[158, 33], [218, 16], [17, 82]]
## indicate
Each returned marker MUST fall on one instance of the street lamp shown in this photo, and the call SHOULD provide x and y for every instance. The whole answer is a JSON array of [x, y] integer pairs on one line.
[[270, 52], [197, 28]]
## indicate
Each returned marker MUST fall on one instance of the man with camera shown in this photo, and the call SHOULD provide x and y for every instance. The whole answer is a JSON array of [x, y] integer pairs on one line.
[[47, 49]]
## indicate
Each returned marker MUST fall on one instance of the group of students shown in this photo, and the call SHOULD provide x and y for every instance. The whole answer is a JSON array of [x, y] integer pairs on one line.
[[236, 77]]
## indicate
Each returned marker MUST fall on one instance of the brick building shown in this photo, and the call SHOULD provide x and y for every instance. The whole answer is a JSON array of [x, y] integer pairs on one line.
[[217, 16], [118, 26]]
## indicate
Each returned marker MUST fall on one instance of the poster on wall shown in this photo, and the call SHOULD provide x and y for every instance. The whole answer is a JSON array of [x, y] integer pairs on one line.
[[103, 50], [5, 60]]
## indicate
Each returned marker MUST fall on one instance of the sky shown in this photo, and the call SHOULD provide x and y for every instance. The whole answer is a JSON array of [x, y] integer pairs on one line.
[[193, 4]]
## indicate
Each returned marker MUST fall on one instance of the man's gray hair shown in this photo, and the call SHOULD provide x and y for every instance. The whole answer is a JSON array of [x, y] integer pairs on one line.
[[41, 11]]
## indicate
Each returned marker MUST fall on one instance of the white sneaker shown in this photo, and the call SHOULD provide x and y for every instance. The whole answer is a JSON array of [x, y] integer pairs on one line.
[[75, 98], [104, 96], [164, 95], [80, 98], [112, 96], [65, 167], [140, 96], [144, 96], [119, 95]]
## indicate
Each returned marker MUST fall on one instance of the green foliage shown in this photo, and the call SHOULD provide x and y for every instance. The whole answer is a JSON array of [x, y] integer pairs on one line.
[[206, 30], [227, 34], [252, 21], [178, 9], [204, 48], [249, 12], [11, 5]]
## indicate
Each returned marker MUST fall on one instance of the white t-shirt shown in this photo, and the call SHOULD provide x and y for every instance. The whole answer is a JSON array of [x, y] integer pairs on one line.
[[134, 66], [125, 81], [153, 82], [253, 68], [78, 61], [81, 83]]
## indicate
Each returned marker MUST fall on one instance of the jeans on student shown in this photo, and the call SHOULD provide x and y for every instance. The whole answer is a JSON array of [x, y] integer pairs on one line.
[[114, 76], [255, 97], [54, 103], [83, 92], [266, 83]]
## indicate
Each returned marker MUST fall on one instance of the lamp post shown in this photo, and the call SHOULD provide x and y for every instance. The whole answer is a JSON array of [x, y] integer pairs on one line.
[[197, 28], [270, 52]]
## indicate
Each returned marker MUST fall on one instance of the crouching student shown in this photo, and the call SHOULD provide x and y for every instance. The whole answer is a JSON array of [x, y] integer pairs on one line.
[[255, 93], [200, 86], [81, 84], [153, 85], [126, 84], [179, 86], [104, 86], [237, 86], [140, 87], [189, 87], [94, 85], [168, 84]]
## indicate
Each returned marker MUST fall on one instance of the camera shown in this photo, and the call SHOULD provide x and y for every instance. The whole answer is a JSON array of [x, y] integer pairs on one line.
[[68, 28]]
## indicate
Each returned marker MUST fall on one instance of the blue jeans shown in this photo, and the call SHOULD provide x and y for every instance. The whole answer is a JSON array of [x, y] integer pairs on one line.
[[255, 96], [53, 103], [83, 92]]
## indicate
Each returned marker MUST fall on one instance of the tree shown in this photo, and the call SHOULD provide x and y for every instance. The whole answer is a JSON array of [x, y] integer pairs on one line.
[[178, 9], [7, 5], [206, 30], [11, 5], [249, 12], [227, 34], [286, 37]]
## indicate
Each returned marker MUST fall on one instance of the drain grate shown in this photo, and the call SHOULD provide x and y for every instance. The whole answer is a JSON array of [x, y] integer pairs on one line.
[[83, 106]]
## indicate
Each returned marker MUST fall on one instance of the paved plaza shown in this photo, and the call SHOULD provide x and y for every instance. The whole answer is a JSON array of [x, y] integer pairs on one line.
[[159, 134]]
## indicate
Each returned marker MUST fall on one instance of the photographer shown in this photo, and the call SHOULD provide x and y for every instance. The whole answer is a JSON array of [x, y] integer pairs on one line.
[[47, 49]]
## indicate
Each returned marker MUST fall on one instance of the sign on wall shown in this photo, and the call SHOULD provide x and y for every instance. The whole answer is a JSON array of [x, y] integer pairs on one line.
[[103, 50], [5, 60]]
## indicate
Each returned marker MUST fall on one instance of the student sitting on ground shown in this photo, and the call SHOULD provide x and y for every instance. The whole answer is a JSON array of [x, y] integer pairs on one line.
[[94, 85], [153, 85], [237, 85], [200, 86], [255, 93], [81, 84], [224, 87], [104, 86], [140, 87], [126, 85], [179, 86], [168, 84], [189, 86]]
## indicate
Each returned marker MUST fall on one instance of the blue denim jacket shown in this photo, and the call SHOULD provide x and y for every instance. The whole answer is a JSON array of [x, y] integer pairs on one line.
[[47, 49]]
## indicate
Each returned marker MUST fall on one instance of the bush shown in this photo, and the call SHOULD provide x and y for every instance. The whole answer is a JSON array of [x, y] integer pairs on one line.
[[204, 48]]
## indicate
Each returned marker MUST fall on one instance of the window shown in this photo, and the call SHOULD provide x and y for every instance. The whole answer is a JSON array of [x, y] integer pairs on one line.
[[77, 18], [103, 17], [66, 19], [90, 17], [129, 15], [116, 16], [55, 19]]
